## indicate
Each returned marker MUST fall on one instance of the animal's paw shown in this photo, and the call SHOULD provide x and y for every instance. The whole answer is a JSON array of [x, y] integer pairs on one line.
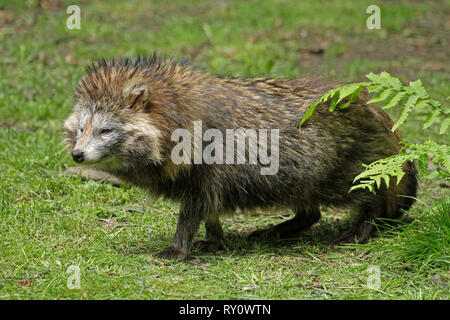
[[208, 245], [173, 253], [359, 233]]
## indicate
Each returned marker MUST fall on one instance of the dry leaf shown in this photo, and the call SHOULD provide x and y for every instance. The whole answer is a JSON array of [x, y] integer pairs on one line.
[[25, 283]]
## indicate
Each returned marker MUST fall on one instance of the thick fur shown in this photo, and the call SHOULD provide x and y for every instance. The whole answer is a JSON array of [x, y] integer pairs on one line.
[[149, 98]]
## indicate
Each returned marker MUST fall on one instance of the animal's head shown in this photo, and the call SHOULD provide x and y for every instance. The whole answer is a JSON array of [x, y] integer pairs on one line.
[[115, 117]]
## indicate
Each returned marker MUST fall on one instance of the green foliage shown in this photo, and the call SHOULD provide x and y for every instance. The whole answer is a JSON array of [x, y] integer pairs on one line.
[[413, 97], [383, 169], [389, 92], [428, 240], [421, 244], [349, 91]]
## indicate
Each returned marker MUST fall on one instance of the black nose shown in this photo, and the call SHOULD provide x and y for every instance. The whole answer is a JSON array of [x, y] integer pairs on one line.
[[78, 156]]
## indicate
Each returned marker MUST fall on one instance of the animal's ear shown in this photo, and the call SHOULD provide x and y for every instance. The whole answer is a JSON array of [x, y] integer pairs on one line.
[[135, 91]]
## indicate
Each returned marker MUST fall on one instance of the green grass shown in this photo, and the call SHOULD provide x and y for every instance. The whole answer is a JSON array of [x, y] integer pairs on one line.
[[49, 221], [425, 242]]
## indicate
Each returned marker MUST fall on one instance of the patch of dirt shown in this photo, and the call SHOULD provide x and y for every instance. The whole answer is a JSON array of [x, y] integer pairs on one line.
[[426, 41]]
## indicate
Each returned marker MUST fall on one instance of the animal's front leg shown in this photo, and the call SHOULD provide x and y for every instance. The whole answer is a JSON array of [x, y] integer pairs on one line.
[[188, 223]]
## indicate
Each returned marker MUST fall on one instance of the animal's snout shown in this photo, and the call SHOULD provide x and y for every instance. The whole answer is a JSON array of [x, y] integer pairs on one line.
[[78, 155]]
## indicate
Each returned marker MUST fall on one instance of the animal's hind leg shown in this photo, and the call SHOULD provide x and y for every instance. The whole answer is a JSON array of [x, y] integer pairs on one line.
[[361, 229], [303, 220], [387, 207], [371, 218], [214, 234]]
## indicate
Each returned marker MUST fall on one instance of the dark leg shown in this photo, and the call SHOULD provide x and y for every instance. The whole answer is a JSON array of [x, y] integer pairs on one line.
[[365, 226], [360, 231], [214, 234], [291, 228], [188, 223], [388, 204], [369, 217]]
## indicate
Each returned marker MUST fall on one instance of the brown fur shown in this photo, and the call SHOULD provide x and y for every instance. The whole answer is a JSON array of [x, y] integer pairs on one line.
[[153, 97]]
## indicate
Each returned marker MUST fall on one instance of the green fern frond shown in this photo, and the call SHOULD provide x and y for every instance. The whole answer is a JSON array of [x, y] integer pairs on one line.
[[390, 92], [438, 154], [351, 91]]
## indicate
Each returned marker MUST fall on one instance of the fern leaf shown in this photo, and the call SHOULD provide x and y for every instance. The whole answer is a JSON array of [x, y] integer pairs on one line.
[[395, 100], [313, 107], [422, 164], [310, 112], [347, 90], [373, 77], [334, 101], [352, 97], [444, 125], [386, 179], [400, 174], [374, 88], [432, 117], [422, 104], [418, 89], [383, 95], [409, 105]]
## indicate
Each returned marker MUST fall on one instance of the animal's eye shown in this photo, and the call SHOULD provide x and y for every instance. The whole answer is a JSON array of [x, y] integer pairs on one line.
[[81, 129], [105, 131]]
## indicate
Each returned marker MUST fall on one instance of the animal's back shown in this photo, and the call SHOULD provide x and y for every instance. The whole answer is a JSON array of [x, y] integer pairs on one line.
[[317, 162]]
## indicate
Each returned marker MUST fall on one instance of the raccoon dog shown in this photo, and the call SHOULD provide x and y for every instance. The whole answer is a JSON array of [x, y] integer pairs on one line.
[[127, 110]]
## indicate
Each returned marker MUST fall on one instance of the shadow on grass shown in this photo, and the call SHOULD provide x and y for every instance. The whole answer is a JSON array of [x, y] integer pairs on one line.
[[321, 236]]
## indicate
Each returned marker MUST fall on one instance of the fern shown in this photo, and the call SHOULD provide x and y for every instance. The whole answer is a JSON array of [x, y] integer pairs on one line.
[[383, 169], [389, 92], [351, 91]]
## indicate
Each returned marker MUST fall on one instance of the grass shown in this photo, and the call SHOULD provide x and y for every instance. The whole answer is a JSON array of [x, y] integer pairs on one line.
[[426, 241], [50, 221]]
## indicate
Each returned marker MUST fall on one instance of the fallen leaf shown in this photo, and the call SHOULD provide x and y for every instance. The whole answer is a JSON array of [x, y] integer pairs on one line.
[[25, 283]]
